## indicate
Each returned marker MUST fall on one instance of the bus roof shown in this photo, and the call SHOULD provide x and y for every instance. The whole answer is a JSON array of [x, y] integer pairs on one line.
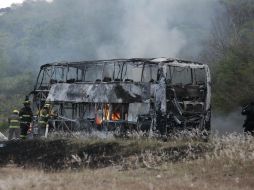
[[155, 61]]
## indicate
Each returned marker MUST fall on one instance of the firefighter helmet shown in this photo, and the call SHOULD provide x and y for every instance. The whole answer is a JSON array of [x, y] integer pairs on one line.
[[26, 102], [47, 105], [15, 111]]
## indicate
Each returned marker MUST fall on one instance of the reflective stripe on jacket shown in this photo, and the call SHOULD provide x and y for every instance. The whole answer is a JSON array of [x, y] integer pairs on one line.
[[43, 117], [26, 115], [14, 121]]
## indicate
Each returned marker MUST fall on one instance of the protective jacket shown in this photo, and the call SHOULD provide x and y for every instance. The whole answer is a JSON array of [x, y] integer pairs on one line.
[[14, 121], [43, 117], [26, 115]]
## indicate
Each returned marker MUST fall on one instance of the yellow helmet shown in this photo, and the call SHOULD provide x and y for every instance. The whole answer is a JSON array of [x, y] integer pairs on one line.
[[15, 111], [26, 102], [46, 105]]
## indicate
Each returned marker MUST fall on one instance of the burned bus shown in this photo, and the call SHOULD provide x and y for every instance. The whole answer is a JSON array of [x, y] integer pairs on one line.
[[158, 94]]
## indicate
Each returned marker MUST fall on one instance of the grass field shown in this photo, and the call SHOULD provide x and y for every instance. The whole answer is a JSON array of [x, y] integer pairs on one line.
[[228, 163]]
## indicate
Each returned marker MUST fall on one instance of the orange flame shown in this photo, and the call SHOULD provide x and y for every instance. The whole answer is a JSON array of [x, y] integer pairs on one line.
[[98, 120], [106, 112], [105, 115], [116, 116]]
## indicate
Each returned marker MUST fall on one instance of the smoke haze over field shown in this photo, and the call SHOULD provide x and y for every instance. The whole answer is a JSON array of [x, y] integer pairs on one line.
[[42, 32], [228, 123]]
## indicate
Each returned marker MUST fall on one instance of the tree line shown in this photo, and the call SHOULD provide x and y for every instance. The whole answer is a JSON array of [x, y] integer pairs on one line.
[[230, 54]]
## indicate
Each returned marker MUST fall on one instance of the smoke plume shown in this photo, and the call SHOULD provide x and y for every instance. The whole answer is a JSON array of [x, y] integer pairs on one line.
[[228, 123], [42, 31]]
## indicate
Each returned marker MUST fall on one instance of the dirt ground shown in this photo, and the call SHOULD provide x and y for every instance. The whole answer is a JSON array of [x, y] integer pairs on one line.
[[170, 176]]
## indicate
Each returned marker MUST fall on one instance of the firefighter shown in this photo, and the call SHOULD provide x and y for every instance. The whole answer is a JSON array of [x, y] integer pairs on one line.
[[249, 121], [26, 117], [14, 125], [43, 120]]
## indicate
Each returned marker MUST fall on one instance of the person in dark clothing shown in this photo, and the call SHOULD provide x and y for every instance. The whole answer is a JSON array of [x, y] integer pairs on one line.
[[26, 116], [249, 121], [14, 125]]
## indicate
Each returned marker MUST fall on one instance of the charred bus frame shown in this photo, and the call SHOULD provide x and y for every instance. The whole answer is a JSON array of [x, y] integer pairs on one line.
[[157, 93]]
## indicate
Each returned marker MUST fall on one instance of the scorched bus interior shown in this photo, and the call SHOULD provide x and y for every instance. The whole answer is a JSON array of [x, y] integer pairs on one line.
[[150, 94]]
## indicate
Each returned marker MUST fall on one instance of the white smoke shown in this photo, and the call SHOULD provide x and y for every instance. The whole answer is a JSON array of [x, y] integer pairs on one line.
[[146, 32], [42, 32], [228, 123], [161, 28]]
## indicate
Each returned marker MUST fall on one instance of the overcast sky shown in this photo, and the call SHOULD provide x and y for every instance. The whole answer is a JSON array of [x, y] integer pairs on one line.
[[7, 3]]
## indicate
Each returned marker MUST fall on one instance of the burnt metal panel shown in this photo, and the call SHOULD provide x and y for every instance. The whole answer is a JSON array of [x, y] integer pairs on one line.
[[136, 109], [99, 92]]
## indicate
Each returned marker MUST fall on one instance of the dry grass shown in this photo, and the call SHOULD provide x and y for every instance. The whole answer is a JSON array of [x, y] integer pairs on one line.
[[230, 165], [192, 175]]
